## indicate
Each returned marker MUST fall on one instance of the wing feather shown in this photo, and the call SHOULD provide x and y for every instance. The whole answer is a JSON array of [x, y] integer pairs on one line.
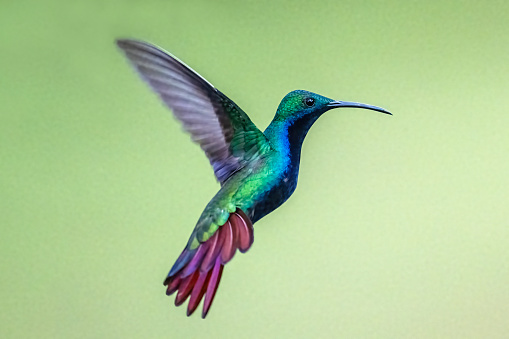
[[217, 124]]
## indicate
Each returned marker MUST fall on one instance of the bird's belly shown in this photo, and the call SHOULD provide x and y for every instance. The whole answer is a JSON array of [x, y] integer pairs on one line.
[[272, 199], [260, 190]]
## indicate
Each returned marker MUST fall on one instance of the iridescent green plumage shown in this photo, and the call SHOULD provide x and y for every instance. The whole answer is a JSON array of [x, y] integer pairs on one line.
[[257, 171]]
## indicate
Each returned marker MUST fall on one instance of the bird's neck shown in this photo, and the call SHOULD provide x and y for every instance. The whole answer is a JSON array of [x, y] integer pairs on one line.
[[286, 136]]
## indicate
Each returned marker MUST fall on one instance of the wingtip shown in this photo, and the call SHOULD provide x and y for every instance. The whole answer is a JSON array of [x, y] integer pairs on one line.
[[121, 43], [126, 43]]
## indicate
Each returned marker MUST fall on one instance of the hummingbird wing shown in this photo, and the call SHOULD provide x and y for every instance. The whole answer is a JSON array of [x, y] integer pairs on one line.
[[198, 270], [222, 129]]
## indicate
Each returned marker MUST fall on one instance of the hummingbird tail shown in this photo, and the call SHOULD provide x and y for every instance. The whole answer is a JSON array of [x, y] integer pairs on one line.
[[200, 269]]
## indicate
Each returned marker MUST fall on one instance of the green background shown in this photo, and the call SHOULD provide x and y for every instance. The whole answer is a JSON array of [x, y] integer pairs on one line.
[[398, 228]]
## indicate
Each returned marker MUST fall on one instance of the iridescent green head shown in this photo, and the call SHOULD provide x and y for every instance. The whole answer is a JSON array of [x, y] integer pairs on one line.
[[303, 104]]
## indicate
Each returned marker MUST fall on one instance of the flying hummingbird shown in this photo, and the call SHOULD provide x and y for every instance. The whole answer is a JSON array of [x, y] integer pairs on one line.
[[257, 170]]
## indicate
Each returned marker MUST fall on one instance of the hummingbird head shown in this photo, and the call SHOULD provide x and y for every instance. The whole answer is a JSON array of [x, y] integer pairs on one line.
[[296, 114], [299, 104]]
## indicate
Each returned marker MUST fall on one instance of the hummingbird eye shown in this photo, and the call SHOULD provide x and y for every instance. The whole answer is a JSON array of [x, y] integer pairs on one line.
[[309, 101]]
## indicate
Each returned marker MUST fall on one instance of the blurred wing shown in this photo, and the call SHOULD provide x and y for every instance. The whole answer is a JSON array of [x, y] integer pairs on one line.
[[222, 129]]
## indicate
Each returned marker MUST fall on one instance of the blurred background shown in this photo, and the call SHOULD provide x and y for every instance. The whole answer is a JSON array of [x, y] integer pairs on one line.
[[398, 228]]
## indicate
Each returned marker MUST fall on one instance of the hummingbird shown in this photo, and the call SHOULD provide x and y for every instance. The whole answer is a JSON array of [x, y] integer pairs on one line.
[[257, 170]]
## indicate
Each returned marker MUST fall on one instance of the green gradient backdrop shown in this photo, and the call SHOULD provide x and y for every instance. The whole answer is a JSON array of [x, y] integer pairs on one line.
[[398, 228]]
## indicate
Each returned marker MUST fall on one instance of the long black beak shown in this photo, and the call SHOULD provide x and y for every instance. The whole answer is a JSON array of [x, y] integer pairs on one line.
[[335, 104]]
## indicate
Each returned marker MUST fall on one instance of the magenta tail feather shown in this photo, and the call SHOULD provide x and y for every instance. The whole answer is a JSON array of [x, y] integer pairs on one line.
[[197, 273]]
